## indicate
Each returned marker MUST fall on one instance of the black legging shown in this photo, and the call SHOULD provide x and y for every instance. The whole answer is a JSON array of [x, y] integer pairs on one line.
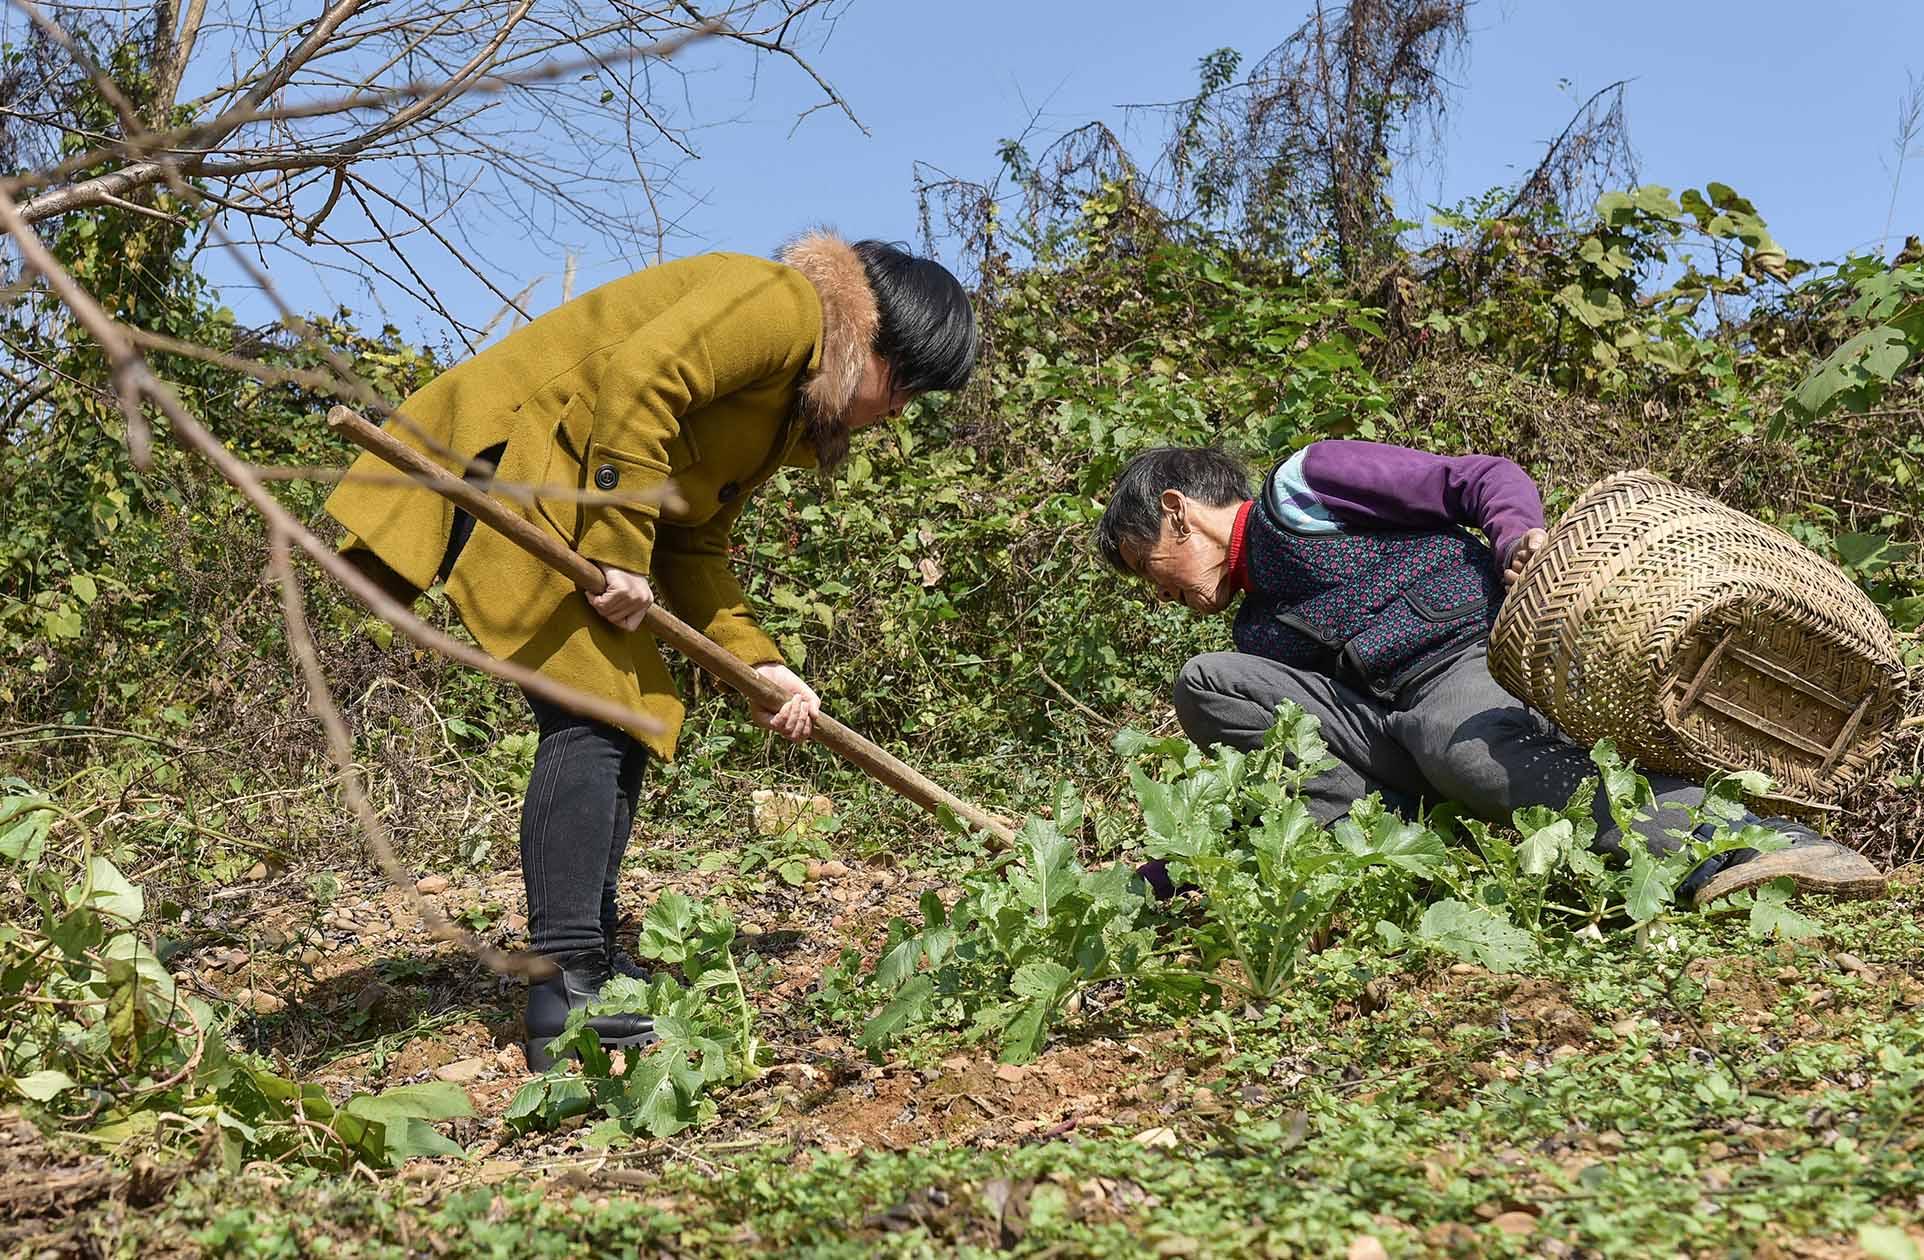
[[575, 822]]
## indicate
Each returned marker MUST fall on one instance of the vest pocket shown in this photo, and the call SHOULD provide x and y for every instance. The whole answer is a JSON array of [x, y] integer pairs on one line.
[[1430, 608]]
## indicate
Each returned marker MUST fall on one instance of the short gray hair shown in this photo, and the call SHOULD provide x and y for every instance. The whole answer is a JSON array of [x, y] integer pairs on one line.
[[1207, 474]]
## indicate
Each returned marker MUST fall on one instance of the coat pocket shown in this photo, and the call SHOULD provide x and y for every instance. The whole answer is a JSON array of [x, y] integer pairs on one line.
[[636, 481], [557, 496]]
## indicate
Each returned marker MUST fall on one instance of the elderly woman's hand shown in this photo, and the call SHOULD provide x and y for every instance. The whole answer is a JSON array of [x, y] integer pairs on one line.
[[1521, 554]]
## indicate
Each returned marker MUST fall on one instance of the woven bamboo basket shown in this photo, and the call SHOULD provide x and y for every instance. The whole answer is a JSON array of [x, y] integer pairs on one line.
[[1700, 639]]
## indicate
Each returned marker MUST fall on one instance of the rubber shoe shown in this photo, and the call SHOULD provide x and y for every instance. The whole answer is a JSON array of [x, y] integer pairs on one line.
[[576, 982], [1814, 864]]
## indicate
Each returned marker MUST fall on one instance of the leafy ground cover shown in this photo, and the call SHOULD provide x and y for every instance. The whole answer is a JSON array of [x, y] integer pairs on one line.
[[1728, 1083]]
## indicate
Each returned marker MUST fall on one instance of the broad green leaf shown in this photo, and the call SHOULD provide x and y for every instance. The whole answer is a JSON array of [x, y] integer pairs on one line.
[[24, 822], [111, 892], [127, 1018], [1887, 1242], [43, 1085], [77, 931], [1771, 915], [1542, 851], [666, 927], [1653, 883], [159, 982], [902, 1010], [1874, 353], [1023, 1036], [1047, 980], [547, 1100], [1475, 935], [1044, 876], [1409, 846], [1068, 809], [428, 1100], [898, 964], [662, 1094]]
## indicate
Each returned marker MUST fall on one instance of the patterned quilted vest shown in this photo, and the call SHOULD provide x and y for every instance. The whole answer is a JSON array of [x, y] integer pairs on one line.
[[1373, 607]]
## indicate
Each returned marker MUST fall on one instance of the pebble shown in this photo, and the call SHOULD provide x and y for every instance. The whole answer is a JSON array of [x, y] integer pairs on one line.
[[311, 956], [257, 873], [1789, 973], [428, 885], [835, 869], [1462, 969], [1516, 1223], [462, 1071], [260, 1002], [516, 921], [1366, 1247], [1626, 1026], [1450, 1236], [1854, 964], [235, 960]]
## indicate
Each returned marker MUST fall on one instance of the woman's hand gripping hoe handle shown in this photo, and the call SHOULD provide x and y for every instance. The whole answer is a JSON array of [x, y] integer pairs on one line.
[[885, 768]]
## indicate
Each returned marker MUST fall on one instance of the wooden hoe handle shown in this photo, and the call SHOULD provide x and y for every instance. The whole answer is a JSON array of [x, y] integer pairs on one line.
[[878, 763]]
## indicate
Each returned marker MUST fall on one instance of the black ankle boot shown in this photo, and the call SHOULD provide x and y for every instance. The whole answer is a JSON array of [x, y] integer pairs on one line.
[[622, 963], [576, 982]]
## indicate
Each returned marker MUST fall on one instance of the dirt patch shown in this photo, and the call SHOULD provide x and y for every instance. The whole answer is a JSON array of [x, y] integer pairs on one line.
[[973, 1100]]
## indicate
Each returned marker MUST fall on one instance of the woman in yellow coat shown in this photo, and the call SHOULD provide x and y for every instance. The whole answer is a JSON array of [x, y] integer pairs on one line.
[[685, 386]]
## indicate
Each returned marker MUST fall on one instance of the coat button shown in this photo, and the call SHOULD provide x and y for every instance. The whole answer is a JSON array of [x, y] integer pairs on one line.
[[728, 492], [606, 478]]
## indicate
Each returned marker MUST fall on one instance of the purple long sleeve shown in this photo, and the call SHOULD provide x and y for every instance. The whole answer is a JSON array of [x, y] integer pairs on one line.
[[1397, 487]]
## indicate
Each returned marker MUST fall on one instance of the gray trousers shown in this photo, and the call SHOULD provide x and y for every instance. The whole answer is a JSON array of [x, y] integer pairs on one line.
[[1453, 736]]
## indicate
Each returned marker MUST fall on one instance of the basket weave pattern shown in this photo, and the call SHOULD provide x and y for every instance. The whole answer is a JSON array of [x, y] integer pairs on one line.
[[1700, 639]]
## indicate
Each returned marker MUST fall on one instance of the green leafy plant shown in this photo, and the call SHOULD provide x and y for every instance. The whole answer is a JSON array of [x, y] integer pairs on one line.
[[1238, 828], [1025, 939], [703, 1021], [99, 1038], [1856, 374], [1499, 915]]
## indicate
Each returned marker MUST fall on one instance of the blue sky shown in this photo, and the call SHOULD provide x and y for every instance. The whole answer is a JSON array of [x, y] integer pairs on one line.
[[1792, 104]]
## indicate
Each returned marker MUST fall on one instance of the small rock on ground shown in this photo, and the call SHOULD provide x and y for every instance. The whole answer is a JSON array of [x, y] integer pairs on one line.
[[462, 1071], [1516, 1223]]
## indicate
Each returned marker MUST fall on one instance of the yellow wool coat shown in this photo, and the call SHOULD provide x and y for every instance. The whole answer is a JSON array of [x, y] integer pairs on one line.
[[710, 373]]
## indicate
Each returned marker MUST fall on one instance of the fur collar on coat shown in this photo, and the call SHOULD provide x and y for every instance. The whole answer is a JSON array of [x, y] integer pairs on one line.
[[849, 323]]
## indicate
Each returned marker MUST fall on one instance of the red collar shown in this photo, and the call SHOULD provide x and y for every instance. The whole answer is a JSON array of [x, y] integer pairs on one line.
[[1238, 556]]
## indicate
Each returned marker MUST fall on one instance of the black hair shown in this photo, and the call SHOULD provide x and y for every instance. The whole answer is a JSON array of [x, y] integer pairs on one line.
[[1207, 474], [927, 331]]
